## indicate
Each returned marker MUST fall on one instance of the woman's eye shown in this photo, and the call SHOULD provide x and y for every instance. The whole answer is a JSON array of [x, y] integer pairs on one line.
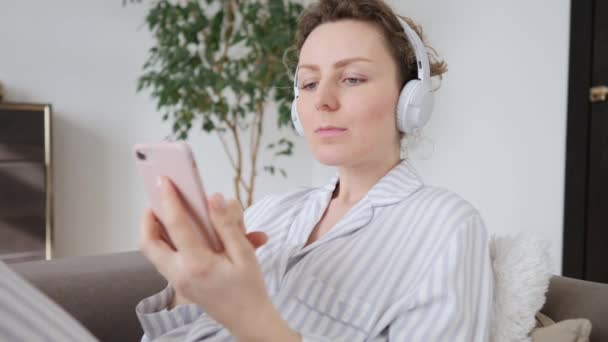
[[353, 80], [348, 81], [307, 85]]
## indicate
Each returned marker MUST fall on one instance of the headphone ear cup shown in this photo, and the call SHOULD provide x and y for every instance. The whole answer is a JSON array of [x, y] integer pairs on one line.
[[414, 106], [295, 118], [402, 104]]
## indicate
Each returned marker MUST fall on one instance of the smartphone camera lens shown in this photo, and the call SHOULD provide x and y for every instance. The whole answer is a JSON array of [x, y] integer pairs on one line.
[[141, 155]]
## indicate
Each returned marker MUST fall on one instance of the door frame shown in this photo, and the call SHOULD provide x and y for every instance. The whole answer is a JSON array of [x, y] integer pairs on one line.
[[577, 138]]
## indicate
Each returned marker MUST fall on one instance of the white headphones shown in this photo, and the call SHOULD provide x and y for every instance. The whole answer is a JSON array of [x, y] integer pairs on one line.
[[415, 103]]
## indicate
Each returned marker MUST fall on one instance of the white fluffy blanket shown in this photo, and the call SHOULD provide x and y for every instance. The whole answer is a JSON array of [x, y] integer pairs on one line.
[[522, 269]]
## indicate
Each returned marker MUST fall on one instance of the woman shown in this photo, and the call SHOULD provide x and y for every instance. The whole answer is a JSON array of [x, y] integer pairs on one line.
[[374, 255]]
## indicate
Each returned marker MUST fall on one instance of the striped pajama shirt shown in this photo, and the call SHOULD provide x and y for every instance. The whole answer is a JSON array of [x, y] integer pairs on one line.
[[408, 262]]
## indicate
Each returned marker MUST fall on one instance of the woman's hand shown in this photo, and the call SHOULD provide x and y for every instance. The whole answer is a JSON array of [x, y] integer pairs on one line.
[[257, 239], [228, 285]]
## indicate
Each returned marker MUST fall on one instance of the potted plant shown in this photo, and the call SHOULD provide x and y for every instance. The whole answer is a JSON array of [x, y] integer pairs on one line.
[[216, 65]]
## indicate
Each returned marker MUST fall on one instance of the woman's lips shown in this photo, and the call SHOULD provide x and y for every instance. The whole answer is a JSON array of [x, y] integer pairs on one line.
[[330, 131]]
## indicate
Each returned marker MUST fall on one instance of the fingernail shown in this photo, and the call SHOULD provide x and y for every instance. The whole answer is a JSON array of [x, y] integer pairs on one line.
[[218, 202], [161, 182]]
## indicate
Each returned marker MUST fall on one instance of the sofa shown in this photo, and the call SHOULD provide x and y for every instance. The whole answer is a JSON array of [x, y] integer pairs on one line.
[[102, 291]]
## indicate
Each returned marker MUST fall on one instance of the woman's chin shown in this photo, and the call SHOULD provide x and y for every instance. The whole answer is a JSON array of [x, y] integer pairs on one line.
[[333, 158]]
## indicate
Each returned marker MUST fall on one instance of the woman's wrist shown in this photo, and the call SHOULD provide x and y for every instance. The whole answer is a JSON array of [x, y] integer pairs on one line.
[[172, 303], [266, 325], [176, 300]]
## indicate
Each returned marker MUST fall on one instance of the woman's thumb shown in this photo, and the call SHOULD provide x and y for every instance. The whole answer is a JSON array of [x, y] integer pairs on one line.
[[257, 239]]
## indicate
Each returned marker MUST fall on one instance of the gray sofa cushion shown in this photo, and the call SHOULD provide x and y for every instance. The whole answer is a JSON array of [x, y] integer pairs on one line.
[[102, 291], [572, 298], [99, 291]]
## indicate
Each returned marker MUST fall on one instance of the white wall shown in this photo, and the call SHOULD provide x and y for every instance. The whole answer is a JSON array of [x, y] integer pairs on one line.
[[84, 58], [499, 123]]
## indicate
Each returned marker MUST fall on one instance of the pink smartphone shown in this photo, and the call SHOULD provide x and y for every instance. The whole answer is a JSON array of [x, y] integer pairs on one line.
[[175, 161]]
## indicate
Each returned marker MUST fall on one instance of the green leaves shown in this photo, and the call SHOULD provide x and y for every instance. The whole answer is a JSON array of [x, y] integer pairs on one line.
[[283, 147], [272, 170], [208, 125], [220, 62]]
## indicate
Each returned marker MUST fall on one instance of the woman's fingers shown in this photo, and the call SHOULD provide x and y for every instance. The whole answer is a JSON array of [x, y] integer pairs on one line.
[[180, 226], [257, 239], [154, 246], [227, 217]]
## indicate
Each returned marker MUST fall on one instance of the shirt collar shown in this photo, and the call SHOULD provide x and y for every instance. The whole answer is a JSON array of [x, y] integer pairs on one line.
[[396, 185]]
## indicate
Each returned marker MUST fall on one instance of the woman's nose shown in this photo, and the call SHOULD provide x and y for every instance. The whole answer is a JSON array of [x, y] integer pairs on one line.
[[325, 98]]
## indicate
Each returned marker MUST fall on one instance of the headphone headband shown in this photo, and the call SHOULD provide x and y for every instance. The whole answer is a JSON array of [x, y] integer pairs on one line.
[[422, 59], [296, 90]]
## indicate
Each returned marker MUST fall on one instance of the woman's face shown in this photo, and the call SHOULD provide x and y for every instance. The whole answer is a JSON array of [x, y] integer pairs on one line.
[[348, 94]]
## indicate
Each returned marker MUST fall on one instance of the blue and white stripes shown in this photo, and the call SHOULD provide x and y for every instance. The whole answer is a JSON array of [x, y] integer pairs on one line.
[[408, 262]]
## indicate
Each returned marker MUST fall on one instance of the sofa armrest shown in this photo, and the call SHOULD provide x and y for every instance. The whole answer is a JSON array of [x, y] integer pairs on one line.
[[99, 291], [573, 298]]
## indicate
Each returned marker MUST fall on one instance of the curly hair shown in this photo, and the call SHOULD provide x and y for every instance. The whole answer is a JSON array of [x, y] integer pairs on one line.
[[378, 13]]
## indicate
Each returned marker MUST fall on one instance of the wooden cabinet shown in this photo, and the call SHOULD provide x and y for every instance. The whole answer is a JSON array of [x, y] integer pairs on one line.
[[25, 182]]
